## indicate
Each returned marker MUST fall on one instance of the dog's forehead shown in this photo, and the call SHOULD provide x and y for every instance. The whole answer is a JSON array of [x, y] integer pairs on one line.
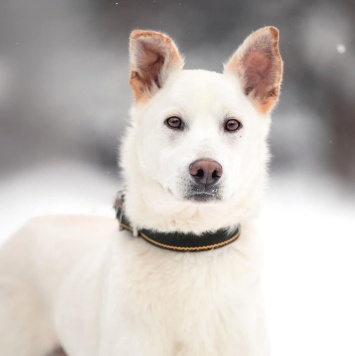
[[203, 89]]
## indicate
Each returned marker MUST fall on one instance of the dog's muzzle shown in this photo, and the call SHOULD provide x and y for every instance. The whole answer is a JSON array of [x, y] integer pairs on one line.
[[205, 174]]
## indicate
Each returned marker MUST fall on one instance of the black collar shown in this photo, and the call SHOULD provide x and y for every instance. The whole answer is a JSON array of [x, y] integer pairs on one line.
[[178, 241]]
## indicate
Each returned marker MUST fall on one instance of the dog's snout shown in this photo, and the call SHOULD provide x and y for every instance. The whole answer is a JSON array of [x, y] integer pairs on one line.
[[206, 172]]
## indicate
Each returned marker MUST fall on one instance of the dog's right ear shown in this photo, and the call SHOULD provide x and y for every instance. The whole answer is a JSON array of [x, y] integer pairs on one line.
[[153, 56]]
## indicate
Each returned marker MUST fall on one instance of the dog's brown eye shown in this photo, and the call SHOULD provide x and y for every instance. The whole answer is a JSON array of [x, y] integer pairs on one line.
[[232, 125], [174, 122]]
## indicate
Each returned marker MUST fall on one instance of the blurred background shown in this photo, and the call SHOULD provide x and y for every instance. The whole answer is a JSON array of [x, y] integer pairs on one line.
[[64, 100]]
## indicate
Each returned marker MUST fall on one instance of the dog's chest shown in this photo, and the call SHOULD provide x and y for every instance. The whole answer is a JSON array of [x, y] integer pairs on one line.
[[200, 301]]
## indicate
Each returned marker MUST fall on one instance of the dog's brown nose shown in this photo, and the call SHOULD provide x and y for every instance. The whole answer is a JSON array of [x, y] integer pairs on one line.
[[206, 172]]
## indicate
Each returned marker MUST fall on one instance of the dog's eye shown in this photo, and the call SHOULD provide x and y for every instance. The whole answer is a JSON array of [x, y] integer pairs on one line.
[[174, 122], [232, 125]]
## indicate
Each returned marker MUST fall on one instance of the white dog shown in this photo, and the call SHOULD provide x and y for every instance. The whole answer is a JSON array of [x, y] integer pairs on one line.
[[182, 276]]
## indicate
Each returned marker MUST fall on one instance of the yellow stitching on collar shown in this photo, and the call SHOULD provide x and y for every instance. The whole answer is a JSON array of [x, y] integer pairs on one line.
[[179, 248], [199, 248]]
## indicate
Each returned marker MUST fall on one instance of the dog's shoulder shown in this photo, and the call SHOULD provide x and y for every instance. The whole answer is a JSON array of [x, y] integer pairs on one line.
[[68, 223], [57, 232]]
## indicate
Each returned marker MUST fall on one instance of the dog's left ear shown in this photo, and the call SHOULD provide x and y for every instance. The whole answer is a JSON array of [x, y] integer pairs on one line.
[[153, 56], [258, 65]]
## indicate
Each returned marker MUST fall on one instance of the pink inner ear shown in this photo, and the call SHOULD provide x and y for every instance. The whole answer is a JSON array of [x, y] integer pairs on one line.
[[150, 61], [258, 73]]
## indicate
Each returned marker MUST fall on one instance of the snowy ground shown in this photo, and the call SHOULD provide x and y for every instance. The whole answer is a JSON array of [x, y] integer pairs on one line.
[[310, 284], [60, 188], [309, 231]]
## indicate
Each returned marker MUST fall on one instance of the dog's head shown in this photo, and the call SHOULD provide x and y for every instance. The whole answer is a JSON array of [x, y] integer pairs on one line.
[[200, 136]]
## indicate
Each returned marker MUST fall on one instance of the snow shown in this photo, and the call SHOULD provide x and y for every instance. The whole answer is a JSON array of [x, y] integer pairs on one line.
[[59, 188], [308, 226], [310, 267], [341, 48]]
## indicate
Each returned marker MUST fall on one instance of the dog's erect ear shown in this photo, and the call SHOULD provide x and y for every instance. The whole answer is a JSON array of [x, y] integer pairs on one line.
[[153, 56], [258, 64]]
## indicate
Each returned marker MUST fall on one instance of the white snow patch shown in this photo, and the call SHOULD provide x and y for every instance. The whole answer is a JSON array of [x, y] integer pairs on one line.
[[309, 226], [341, 48], [52, 189]]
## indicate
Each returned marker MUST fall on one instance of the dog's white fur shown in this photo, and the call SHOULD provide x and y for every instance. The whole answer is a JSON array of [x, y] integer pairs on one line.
[[81, 283]]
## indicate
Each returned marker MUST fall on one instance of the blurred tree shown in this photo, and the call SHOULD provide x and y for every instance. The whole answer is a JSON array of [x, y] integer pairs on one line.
[[64, 70]]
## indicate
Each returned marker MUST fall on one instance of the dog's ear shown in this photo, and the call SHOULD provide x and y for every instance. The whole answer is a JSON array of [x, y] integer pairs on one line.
[[258, 65], [153, 56]]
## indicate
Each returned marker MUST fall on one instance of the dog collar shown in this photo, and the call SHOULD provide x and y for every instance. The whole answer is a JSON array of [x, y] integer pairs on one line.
[[177, 241]]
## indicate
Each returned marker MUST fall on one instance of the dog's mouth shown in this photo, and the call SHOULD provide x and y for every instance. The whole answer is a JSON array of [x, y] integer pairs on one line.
[[199, 194], [202, 194], [203, 197]]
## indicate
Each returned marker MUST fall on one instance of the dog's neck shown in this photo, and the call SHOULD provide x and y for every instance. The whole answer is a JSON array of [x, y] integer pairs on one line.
[[176, 241], [158, 210]]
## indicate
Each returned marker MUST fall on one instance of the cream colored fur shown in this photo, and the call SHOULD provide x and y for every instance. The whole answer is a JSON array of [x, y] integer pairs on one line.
[[78, 282]]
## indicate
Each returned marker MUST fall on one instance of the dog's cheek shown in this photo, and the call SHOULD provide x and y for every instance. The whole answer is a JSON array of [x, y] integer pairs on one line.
[[157, 161], [230, 185], [175, 182], [148, 156], [252, 165]]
